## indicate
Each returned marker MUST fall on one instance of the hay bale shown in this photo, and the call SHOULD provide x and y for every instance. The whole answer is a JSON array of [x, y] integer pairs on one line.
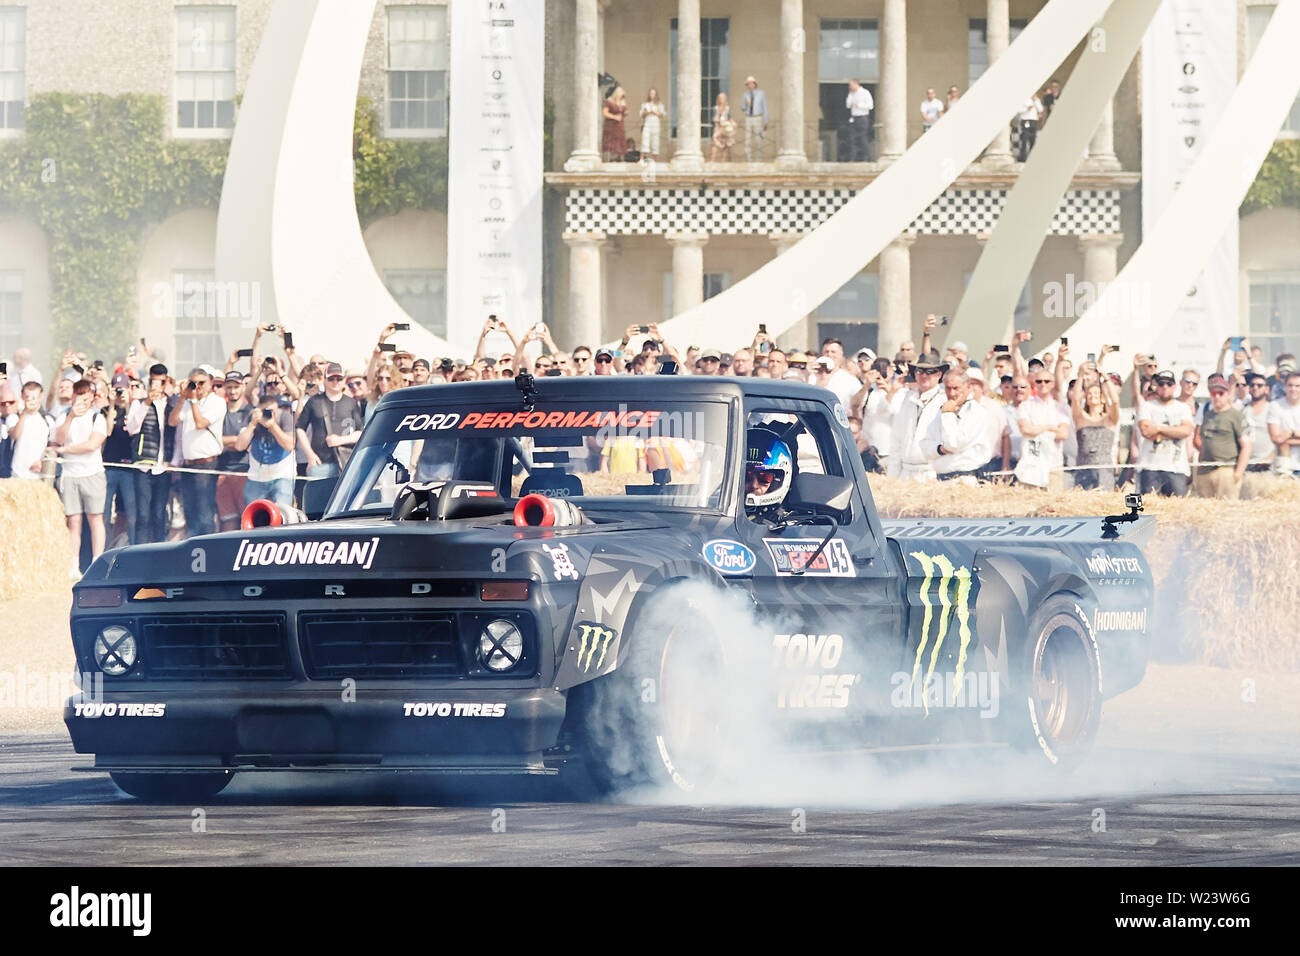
[[1227, 573], [34, 552]]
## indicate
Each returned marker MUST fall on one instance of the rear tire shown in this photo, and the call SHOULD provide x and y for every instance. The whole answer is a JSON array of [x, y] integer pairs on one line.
[[659, 720], [172, 787], [1055, 708]]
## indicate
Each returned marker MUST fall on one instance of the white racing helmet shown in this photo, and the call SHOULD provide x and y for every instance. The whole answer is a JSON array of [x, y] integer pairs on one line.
[[767, 459]]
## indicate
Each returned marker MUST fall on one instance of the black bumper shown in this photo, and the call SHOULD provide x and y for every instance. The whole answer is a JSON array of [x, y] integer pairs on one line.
[[424, 728]]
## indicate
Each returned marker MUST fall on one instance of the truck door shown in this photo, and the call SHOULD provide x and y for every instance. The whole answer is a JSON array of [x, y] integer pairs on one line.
[[836, 620]]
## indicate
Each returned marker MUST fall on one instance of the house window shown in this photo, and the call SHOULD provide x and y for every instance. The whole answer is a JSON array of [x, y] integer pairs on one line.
[[715, 71], [846, 50], [11, 313], [13, 67], [422, 294], [205, 69], [714, 282], [198, 335], [417, 71], [1275, 312], [978, 46], [1257, 18]]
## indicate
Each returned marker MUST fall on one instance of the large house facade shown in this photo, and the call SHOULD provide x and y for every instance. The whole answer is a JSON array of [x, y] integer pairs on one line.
[[636, 242]]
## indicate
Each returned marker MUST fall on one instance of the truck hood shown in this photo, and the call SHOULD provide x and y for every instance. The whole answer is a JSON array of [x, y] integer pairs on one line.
[[344, 547]]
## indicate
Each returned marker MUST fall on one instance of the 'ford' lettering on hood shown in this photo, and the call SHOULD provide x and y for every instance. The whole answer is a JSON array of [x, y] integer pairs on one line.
[[252, 553]]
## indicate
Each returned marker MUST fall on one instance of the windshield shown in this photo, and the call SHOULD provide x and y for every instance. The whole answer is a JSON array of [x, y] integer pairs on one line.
[[646, 454]]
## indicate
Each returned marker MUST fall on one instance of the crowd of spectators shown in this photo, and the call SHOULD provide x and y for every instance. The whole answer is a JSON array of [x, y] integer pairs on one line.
[[146, 453]]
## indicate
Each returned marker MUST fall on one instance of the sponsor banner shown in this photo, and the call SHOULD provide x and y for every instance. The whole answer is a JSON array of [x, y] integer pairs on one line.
[[449, 709], [575, 419], [594, 643], [729, 557], [795, 556], [1104, 565], [119, 710], [804, 653], [1189, 72], [1011, 528], [494, 168], [946, 589], [254, 553], [1103, 621]]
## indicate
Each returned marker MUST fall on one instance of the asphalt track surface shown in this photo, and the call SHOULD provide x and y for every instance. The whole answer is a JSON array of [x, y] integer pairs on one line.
[[1160, 806]]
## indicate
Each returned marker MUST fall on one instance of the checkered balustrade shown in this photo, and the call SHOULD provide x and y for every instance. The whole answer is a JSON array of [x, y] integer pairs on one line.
[[757, 212]]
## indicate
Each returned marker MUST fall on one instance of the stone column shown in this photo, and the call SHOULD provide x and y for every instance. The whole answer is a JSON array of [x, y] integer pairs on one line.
[[687, 156], [688, 269], [891, 107], [895, 267], [793, 44], [1101, 151], [998, 38], [1100, 256], [586, 93], [585, 323]]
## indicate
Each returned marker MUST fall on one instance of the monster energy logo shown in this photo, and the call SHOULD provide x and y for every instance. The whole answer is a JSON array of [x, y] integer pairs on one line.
[[592, 638], [953, 591]]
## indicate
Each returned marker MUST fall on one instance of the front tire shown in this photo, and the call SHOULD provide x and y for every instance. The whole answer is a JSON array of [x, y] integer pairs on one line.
[[660, 719], [172, 787], [1055, 709]]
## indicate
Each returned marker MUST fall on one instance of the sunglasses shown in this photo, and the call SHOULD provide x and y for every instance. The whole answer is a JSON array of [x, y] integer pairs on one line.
[[602, 361], [582, 358], [385, 378], [1043, 381], [1191, 381], [271, 381], [407, 371], [334, 378], [356, 384], [541, 365], [2, 404]]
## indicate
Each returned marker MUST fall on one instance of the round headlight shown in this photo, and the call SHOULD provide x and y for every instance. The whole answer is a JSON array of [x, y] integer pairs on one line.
[[115, 650], [500, 646]]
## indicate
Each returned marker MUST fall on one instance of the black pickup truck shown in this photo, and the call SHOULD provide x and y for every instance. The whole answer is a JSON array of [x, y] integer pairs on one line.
[[527, 577]]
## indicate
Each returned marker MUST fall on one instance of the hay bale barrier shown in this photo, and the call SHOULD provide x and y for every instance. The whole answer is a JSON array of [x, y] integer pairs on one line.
[[34, 552], [1227, 573]]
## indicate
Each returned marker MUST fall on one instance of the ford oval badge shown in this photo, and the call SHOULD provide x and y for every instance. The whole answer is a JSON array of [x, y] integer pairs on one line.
[[729, 557]]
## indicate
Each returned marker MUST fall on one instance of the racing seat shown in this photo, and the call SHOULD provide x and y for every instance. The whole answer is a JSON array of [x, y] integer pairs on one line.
[[553, 483]]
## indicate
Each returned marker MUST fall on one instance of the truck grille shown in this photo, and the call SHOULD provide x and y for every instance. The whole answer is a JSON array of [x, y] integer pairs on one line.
[[392, 644], [215, 647]]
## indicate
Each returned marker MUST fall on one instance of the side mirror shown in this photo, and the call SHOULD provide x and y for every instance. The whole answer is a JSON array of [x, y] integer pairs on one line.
[[316, 496], [821, 492]]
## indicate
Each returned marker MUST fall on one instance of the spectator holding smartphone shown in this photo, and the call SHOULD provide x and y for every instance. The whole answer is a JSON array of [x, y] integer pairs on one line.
[[120, 481], [269, 439], [152, 445], [29, 433], [233, 462], [82, 486], [200, 415]]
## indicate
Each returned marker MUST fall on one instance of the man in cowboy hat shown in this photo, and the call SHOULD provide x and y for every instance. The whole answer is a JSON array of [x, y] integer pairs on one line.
[[907, 457]]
